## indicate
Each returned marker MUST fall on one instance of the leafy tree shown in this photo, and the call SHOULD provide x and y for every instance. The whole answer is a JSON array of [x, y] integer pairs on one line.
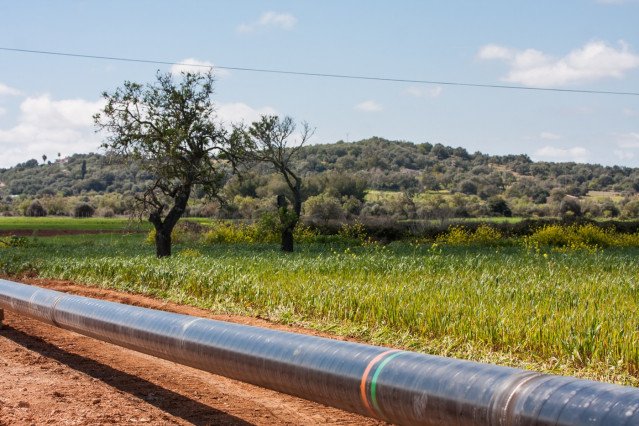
[[499, 206], [170, 129], [609, 208], [35, 209], [468, 187], [324, 207], [631, 209], [83, 210], [346, 184], [570, 208], [268, 141], [31, 163]]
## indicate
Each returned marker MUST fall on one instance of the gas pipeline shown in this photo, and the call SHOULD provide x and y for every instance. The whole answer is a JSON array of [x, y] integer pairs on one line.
[[401, 387]]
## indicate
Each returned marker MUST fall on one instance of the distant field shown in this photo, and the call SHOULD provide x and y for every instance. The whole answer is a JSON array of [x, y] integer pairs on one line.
[[92, 224], [601, 196], [376, 195]]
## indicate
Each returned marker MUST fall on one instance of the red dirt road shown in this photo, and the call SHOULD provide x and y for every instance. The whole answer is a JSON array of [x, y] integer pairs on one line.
[[53, 376]]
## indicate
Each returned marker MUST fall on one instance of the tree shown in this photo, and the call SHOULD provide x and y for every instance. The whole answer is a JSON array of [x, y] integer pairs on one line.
[[170, 129], [35, 209], [570, 208], [83, 169], [324, 207], [83, 210], [499, 206], [268, 141]]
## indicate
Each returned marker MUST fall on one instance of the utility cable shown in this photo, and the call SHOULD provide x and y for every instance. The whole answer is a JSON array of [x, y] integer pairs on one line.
[[314, 74]]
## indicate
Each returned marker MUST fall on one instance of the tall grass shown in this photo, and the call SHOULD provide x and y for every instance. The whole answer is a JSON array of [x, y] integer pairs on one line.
[[577, 308]]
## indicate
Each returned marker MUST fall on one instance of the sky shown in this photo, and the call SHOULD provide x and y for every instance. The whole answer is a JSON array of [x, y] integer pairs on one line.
[[454, 53]]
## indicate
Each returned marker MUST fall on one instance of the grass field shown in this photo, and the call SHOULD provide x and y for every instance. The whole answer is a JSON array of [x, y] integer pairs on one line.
[[90, 224], [570, 311]]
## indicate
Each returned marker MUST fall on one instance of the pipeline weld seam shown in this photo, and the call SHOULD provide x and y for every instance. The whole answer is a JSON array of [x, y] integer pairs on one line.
[[52, 310], [30, 299], [53, 305], [374, 381], [362, 385], [185, 328]]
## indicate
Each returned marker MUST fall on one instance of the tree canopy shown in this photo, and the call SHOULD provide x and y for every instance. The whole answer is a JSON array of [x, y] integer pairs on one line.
[[171, 130]]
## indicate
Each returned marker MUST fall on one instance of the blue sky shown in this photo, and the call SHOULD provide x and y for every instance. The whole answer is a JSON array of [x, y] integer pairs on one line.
[[46, 101]]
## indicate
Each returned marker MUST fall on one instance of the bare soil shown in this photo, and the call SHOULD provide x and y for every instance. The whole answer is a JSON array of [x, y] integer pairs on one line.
[[53, 376]]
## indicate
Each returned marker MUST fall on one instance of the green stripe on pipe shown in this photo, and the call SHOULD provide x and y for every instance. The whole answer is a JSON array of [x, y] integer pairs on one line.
[[374, 381]]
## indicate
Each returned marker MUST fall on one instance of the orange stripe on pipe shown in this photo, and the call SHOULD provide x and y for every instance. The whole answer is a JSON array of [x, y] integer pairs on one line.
[[362, 386]]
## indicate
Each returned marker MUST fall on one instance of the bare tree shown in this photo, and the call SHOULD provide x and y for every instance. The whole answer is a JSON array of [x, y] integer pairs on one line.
[[272, 140]]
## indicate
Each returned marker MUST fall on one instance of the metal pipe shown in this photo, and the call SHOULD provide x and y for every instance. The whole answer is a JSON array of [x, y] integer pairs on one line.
[[401, 387]]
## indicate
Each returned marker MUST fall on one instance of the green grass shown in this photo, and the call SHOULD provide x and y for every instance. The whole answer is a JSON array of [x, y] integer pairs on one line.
[[111, 224], [572, 311]]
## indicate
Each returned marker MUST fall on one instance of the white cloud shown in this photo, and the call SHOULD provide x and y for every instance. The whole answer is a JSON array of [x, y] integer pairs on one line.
[[616, 1], [577, 154], [548, 135], [270, 20], [630, 112], [240, 112], [46, 127], [194, 66], [424, 93], [630, 140], [8, 91], [595, 61], [627, 145], [492, 51], [3, 111], [623, 155], [369, 106]]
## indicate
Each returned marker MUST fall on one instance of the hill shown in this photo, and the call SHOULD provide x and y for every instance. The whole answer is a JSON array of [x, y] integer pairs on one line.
[[352, 169]]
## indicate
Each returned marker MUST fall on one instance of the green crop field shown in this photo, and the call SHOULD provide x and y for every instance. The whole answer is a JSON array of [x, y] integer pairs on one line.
[[571, 310], [59, 223]]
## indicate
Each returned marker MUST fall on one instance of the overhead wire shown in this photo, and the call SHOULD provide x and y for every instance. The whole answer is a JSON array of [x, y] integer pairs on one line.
[[325, 75]]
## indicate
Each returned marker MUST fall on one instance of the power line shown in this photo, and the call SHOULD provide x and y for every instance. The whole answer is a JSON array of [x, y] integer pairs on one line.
[[314, 74]]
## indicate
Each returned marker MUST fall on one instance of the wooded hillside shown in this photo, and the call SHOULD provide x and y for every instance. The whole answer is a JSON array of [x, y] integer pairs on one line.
[[373, 177]]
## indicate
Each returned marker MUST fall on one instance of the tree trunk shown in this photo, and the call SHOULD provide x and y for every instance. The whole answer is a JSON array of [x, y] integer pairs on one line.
[[163, 228], [297, 197], [287, 228], [162, 242], [287, 240]]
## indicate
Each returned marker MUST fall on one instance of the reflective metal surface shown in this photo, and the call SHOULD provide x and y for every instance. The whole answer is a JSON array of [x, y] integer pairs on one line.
[[401, 387]]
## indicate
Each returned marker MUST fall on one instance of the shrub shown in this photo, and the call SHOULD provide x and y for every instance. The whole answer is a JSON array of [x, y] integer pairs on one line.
[[550, 235], [305, 234], [484, 235], [356, 232], [592, 236], [105, 212], [13, 241], [185, 231], [55, 205], [227, 232], [578, 236]]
